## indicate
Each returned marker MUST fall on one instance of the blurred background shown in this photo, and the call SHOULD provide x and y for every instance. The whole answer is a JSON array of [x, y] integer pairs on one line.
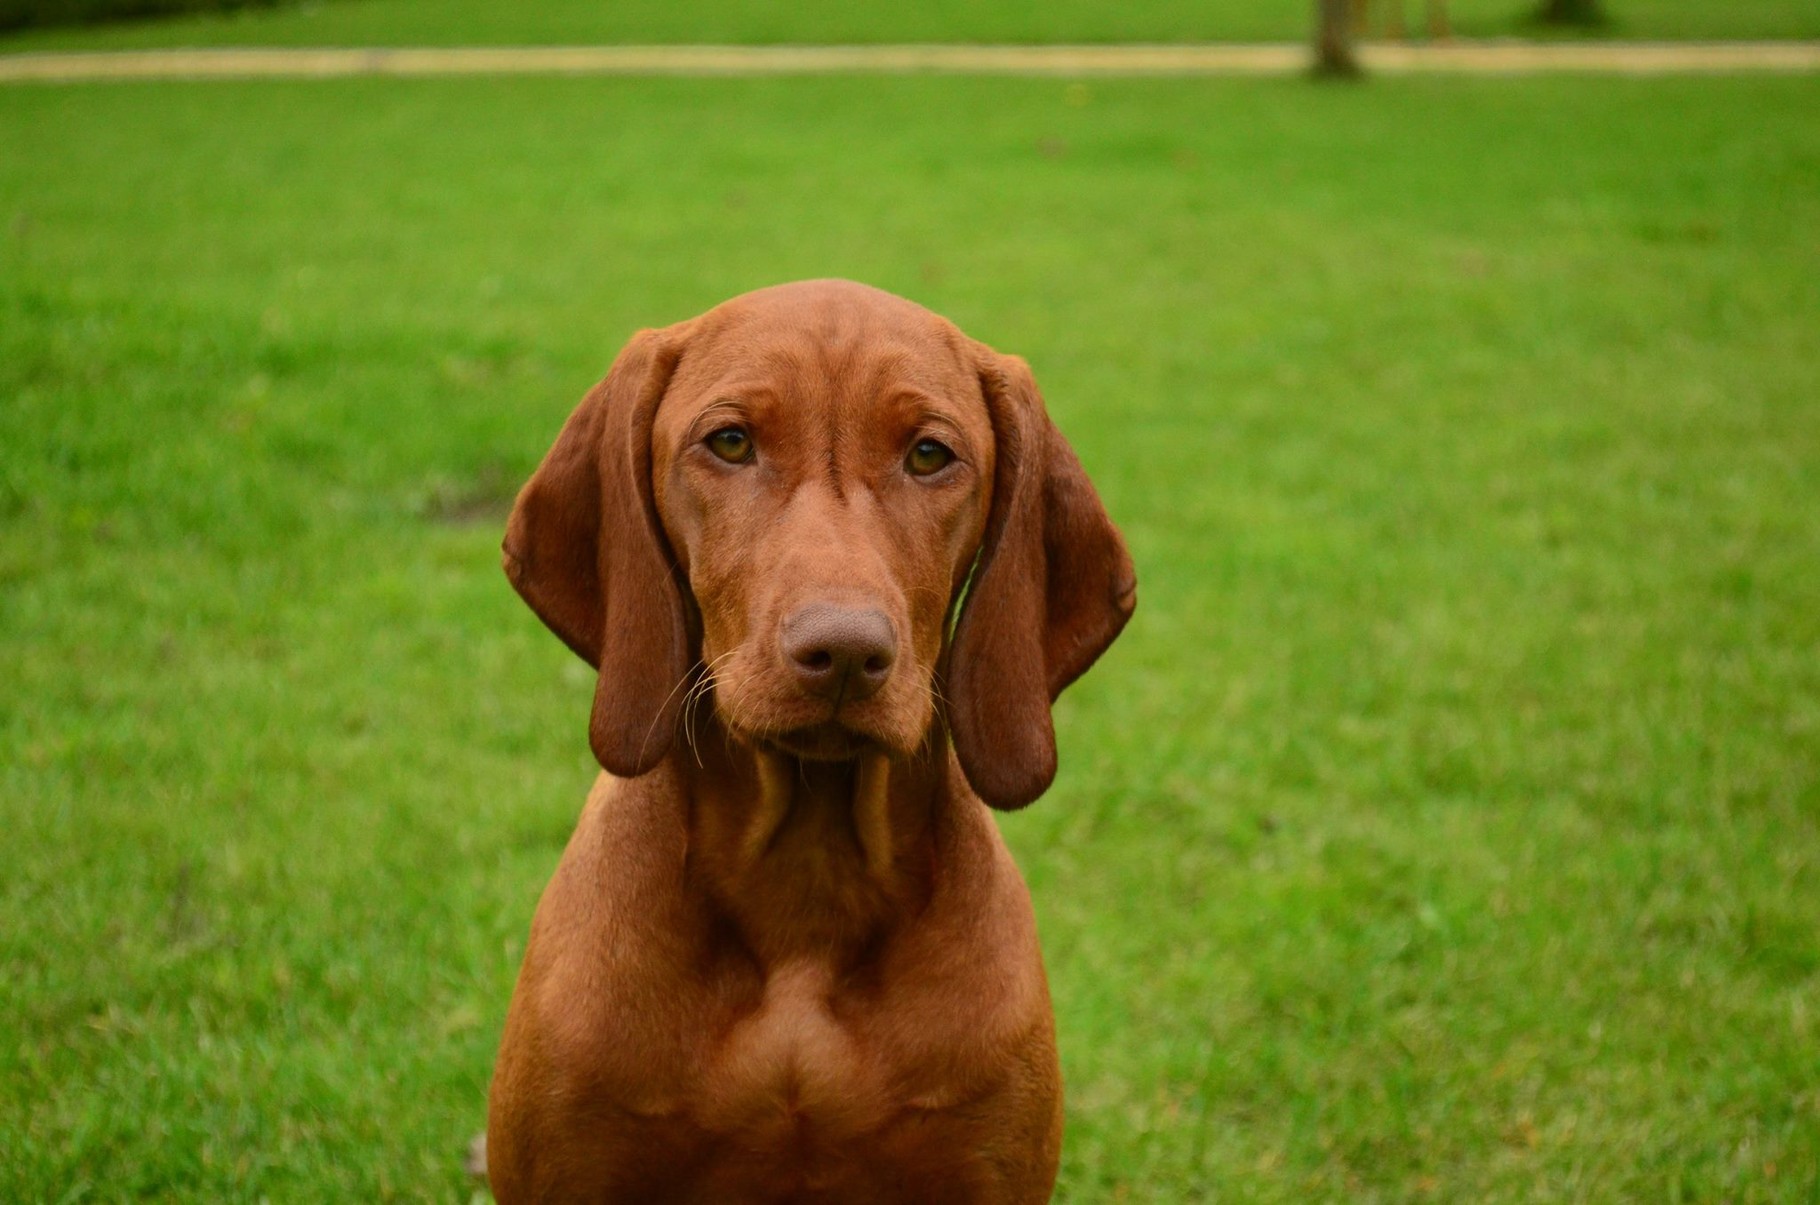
[[1445, 827]]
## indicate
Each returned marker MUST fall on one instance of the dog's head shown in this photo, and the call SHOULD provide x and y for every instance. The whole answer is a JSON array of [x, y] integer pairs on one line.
[[784, 501]]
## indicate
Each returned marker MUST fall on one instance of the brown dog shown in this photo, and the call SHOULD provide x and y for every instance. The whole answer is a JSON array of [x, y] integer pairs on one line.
[[786, 956]]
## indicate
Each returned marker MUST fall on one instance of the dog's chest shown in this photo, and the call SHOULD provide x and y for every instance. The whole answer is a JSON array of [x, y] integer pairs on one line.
[[791, 1069]]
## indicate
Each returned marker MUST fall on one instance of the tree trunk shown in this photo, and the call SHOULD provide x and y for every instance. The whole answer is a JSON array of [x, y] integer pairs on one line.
[[1571, 12], [1333, 56], [1440, 29]]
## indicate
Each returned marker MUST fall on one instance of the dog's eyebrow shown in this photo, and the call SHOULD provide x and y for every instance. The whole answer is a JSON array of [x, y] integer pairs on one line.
[[737, 401], [721, 410], [931, 408]]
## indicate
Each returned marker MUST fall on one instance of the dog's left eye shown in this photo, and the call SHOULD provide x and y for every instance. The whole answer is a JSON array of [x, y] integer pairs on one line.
[[928, 456], [731, 444]]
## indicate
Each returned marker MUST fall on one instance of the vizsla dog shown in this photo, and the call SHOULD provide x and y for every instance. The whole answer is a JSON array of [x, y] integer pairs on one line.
[[833, 563]]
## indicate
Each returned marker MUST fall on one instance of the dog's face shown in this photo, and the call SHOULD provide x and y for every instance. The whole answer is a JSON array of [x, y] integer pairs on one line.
[[781, 502], [822, 471]]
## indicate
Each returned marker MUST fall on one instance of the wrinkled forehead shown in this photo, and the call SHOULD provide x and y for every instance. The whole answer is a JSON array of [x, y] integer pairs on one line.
[[816, 355]]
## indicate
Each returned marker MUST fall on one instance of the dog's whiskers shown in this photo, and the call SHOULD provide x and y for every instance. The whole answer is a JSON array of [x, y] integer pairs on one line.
[[701, 687]]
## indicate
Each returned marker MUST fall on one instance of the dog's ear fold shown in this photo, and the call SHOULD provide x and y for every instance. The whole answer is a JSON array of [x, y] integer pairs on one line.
[[1052, 589], [585, 549]]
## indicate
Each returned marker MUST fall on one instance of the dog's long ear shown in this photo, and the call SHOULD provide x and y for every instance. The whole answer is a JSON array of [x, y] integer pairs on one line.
[[585, 550], [1053, 587]]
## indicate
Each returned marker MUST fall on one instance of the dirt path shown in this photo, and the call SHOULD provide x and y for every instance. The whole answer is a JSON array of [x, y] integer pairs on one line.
[[1480, 58]]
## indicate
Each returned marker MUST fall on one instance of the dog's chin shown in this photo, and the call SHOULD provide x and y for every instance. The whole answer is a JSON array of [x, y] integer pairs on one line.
[[829, 742], [813, 732]]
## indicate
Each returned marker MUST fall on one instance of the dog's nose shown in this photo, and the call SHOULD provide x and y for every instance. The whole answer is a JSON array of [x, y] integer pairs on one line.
[[841, 653]]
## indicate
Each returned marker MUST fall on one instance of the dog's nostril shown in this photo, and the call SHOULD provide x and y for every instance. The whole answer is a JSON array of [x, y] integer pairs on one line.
[[845, 652]]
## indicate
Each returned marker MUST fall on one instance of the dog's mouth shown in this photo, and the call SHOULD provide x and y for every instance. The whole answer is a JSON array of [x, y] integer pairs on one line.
[[756, 712], [828, 741]]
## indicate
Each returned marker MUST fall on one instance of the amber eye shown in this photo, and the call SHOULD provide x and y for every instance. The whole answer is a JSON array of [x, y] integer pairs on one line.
[[731, 444], [928, 456]]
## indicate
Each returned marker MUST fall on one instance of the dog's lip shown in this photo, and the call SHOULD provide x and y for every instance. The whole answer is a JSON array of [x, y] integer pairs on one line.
[[814, 730], [827, 741]]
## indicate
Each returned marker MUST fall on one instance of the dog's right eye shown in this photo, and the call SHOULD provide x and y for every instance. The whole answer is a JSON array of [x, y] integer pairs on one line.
[[731, 444], [928, 457]]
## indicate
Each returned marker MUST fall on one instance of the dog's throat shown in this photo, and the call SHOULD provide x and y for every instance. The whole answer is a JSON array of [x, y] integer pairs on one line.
[[788, 787]]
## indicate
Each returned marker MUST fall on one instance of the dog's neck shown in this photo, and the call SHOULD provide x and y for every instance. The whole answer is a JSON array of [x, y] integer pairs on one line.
[[813, 859]]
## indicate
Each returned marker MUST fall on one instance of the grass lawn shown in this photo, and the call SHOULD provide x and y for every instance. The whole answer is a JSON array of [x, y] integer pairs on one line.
[[463, 22], [1446, 826]]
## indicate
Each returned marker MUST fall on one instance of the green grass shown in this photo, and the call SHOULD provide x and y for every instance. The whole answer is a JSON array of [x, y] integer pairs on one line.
[[1445, 826], [462, 22]]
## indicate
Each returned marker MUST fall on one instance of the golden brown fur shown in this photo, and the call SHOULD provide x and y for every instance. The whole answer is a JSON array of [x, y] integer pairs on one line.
[[786, 956]]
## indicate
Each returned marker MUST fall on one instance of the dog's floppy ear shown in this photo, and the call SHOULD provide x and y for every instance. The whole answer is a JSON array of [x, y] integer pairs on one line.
[[1053, 587], [585, 550]]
